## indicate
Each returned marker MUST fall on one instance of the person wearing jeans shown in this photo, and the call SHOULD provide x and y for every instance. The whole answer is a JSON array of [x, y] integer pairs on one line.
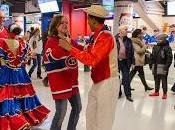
[[62, 73], [125, 59], [101, 56], [61, 109], [36, 44], [36, 62]]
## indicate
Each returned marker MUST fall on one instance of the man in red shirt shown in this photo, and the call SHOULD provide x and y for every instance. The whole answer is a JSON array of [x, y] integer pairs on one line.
[[3, 31], [101, 55]]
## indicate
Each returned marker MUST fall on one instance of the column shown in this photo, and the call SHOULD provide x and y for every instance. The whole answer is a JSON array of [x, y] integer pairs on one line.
[[123, 11]]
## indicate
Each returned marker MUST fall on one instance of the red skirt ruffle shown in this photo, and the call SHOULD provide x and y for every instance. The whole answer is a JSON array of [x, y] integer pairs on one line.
[[24, 119], [19, 91]]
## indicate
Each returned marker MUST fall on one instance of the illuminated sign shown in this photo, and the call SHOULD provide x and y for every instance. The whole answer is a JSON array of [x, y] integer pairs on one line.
[[171, 8], [48, 6]]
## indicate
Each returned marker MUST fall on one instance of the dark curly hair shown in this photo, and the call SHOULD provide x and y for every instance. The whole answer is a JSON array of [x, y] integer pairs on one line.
[[14, 28]]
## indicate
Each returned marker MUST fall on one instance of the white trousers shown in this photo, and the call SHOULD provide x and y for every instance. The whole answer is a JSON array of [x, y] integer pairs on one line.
[[102, 100]]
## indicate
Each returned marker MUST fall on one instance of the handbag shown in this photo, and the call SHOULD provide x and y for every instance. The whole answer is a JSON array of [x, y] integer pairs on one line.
[[159, 69]]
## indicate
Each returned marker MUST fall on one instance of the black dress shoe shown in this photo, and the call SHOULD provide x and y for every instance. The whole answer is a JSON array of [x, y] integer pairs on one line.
[[148, 88], [129, 99], [132, 89], [119, 96]]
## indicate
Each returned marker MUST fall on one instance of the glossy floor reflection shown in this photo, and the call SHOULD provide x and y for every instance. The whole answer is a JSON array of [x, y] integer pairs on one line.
[[145, 113]]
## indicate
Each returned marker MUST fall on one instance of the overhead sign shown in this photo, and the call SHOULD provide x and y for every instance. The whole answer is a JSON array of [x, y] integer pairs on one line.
[[109, 6], [108, 2], [53, 6], [170, 8]]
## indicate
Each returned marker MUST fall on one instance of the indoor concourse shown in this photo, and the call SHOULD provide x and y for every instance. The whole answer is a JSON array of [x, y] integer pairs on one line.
[[145, 113], [152, 17]]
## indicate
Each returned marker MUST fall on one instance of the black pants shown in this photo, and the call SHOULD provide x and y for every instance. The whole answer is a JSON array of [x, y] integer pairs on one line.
[[141, 74], [157, 79]]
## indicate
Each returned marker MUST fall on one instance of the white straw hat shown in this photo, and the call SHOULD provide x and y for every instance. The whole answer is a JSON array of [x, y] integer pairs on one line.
[[96, 10]]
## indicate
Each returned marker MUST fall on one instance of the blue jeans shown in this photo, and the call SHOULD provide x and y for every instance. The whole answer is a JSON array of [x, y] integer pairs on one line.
[[61, 108], [36, 63], [124, 68]]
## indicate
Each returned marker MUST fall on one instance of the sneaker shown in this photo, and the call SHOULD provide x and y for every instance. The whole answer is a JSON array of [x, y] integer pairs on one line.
[[164, 96], [132, 89], [154, 94]]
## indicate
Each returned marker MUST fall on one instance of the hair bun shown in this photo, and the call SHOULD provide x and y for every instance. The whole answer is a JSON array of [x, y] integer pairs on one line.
[[14, 28]]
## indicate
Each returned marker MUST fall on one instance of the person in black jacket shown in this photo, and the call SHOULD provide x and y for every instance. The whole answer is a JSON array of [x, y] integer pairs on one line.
[[161, 59], [125, 59]]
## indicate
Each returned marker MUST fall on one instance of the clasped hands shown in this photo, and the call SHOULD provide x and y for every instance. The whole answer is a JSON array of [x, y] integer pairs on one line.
[[64, 43]]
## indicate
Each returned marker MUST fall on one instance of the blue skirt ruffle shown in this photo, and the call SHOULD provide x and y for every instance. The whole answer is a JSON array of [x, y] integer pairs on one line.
[[10, 76]]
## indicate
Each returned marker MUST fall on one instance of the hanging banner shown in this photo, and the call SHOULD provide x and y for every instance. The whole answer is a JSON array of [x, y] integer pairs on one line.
[[125, 19]]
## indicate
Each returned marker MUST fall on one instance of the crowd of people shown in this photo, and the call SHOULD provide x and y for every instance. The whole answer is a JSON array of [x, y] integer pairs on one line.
[[108, 56], [151, 38], [132, 54]]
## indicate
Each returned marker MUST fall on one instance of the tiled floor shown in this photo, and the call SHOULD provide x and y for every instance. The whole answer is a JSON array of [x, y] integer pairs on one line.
[[145, 113]]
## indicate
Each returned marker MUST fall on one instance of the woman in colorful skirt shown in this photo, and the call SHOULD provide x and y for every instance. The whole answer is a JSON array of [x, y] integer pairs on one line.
[[20, 108]]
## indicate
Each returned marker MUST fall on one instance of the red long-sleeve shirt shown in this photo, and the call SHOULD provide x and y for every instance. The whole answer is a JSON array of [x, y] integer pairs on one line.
[[101, 55]]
